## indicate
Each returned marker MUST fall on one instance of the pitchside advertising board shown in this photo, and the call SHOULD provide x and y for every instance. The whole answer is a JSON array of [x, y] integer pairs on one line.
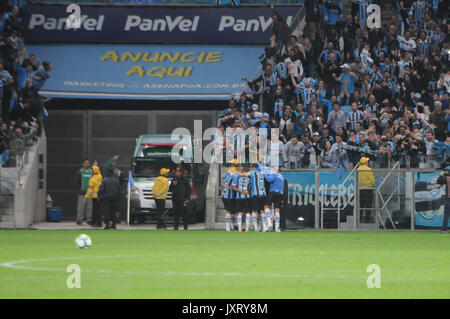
[[429, 198], [249, 25], [125, 71], [303, 193]]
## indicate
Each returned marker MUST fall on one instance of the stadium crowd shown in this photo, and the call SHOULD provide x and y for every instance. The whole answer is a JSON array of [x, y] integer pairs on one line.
[[341, 90], [22, 111]]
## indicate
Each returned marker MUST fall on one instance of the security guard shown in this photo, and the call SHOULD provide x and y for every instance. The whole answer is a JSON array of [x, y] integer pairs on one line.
[[366, 182], [181, 195], [92, 192], [159, 192]]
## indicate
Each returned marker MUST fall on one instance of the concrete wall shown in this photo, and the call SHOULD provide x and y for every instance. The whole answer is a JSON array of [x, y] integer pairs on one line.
[[30, 192]]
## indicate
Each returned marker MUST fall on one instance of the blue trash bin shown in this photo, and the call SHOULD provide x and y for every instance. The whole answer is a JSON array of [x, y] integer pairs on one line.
[[54, 214]]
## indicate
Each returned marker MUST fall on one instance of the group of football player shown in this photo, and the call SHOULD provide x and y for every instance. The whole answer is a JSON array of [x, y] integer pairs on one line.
[[253, 192]]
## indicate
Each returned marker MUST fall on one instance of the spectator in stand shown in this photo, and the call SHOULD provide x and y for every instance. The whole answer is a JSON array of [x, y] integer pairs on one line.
[[276, 147], [437, 118], [312, 151], [293, 153], [6, 80], [326, 157], [281, 31], [336, 118], [432, 149], [16, 45], [340, 154], [331, 75], [25, 73], [354, 117], [4, 137], [286, 124], [397, 75], [41, 75], [21, 106], [312, 17], [347, 83], [19, 141], [333, 14], [11, 22]]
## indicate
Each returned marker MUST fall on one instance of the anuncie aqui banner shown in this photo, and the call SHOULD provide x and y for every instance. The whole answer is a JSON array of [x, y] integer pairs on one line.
[[147, 71]]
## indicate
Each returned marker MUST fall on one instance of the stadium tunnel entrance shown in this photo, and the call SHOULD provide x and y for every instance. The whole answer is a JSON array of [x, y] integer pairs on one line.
[[99, 129]]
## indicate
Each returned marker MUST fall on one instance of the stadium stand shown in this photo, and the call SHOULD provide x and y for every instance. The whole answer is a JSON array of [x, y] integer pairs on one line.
[[22, 75], [382, 92]]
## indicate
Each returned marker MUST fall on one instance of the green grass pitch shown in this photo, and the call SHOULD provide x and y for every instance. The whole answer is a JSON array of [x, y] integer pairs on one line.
[[216, 264]]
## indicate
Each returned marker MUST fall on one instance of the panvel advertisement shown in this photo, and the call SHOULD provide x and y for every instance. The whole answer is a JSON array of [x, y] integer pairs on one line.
[[145, 24], [147, 71]]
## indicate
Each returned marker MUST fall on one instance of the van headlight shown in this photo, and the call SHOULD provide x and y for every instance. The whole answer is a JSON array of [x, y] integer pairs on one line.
[[134, 193]]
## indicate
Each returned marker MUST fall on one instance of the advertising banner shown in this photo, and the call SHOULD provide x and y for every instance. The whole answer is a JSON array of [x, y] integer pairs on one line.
[[147, 71], [429, 200], [303, 195], [195, 25]]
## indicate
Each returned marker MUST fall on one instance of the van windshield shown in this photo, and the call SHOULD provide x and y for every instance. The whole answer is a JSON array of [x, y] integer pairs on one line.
[[151, 167]]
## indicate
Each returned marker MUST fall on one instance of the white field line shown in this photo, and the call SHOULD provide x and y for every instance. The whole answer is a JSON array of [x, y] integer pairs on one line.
[[329, 273]]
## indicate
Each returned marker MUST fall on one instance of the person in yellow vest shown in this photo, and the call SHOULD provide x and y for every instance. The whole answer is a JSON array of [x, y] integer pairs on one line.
[[159, 192], [366, 182], [92, 192]]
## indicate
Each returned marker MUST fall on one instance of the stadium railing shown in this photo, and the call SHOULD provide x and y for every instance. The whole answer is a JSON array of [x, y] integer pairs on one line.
[[393, 204], [26, 182]]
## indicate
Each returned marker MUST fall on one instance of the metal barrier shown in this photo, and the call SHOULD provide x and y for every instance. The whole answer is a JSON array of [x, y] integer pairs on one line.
[[314, 192], [325, 190]]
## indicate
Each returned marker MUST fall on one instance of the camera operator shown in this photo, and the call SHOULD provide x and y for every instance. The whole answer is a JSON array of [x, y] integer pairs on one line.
[[312, 151], [444, 179], [412, 147], [384, 152]]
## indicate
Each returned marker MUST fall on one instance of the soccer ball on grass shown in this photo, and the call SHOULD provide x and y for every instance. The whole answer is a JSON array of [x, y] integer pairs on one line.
[[83, 241]]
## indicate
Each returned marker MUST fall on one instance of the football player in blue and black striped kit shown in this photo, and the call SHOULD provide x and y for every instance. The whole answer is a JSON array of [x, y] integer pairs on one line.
[[275, 194], [257, 197], [227, 197], [240, 185]]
